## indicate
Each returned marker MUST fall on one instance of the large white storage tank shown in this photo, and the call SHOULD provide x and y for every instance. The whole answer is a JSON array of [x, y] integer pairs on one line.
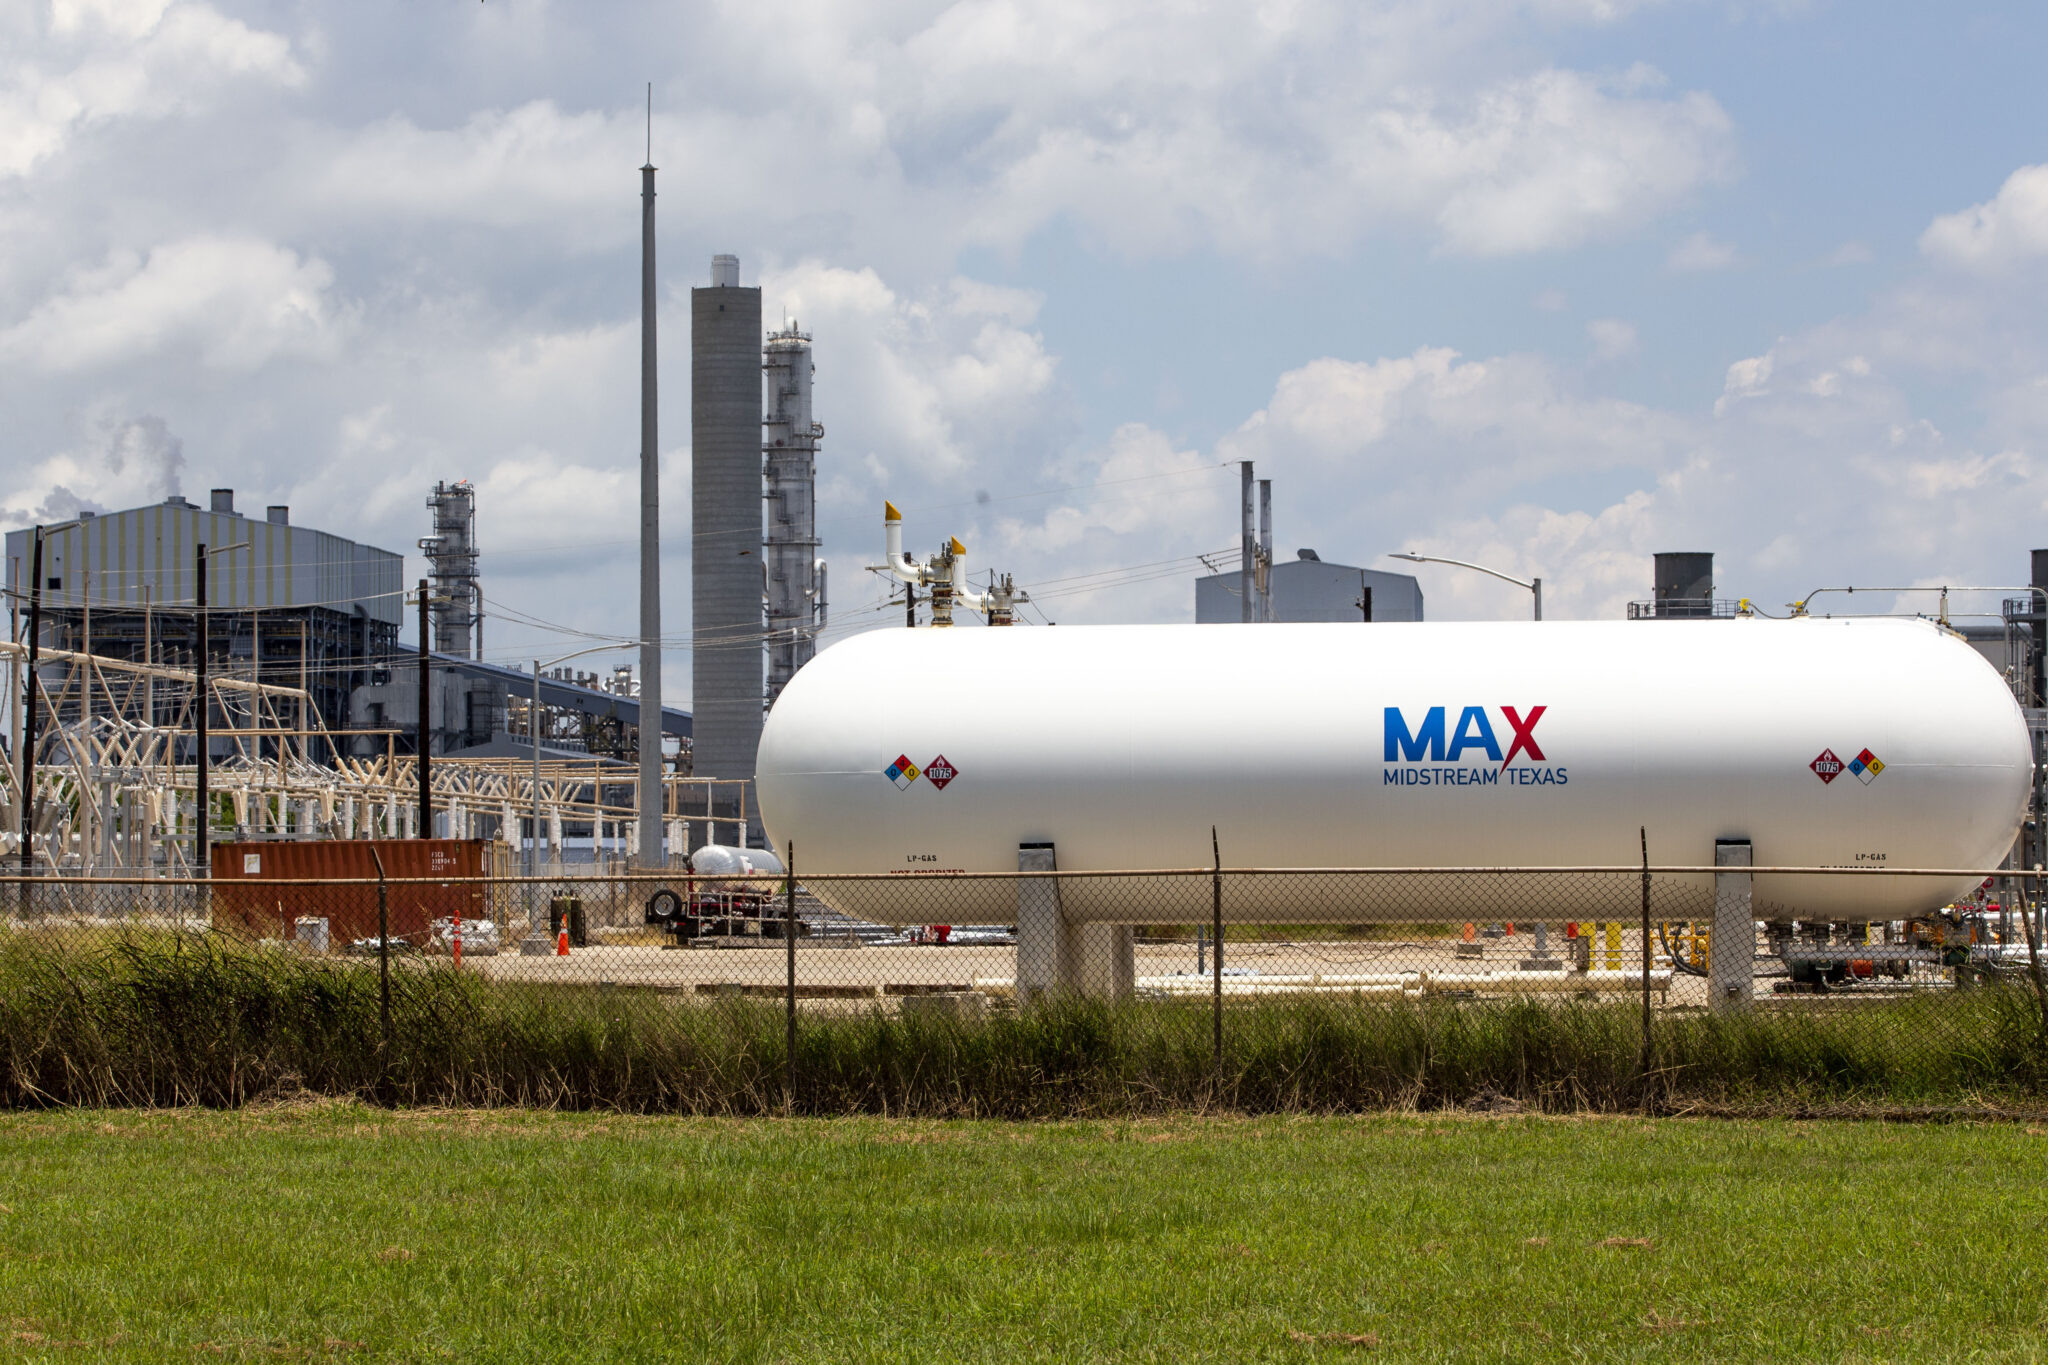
[[1878, 744]]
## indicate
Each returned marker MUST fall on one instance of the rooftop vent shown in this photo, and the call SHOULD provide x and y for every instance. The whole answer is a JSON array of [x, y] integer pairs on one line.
[[277, 514], [224, 500]]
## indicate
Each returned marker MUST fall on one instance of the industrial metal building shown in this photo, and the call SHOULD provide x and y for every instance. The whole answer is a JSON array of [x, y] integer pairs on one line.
[[1310, 588], [285, 599], [479, 710], [725, 522]]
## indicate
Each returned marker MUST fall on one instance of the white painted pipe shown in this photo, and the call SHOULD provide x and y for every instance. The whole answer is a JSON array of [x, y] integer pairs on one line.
[[892, 547]]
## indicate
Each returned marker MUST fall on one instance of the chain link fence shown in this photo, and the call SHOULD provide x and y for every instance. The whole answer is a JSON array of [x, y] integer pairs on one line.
[[1038, 992]]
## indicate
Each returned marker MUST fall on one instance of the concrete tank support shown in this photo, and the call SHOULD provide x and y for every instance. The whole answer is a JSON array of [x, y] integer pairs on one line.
[[1041, 933], [1731, 947], [1055, 957]]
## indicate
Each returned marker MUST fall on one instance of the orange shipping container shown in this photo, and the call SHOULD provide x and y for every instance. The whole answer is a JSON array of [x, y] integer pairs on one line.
[[254, 892]]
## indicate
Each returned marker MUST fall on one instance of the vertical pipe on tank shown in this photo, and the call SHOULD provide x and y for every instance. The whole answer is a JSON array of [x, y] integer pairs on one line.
[[649, 792], [1731, 947]]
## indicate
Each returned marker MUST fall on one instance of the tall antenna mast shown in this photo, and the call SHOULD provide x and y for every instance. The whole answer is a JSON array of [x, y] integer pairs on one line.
[[651, 787]]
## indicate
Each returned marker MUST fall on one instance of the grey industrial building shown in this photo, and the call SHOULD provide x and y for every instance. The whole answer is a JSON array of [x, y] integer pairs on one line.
[[1310, 588], [283, 599]]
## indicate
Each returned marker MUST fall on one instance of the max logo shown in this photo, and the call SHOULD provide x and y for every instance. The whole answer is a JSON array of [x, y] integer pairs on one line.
[[1474, 731]]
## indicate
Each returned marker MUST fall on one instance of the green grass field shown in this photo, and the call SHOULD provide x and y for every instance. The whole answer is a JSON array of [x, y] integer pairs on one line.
[[338, 1231]]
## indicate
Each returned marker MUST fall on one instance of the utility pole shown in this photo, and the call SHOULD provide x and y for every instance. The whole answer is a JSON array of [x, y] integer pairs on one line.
[[425, 740], [910, 605], [27, 761], [202, 865], [305, 741]]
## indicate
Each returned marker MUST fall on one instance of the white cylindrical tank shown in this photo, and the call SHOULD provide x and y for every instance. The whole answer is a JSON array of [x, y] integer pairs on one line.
[[1826, 743], [754, 867]]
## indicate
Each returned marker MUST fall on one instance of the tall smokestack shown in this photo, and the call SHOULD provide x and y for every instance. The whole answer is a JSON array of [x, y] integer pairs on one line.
[[650, 532], [726, 621]]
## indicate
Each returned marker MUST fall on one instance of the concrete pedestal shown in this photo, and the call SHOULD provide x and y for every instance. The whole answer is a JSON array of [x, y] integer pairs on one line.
[[1055, 957], [1731, 947]]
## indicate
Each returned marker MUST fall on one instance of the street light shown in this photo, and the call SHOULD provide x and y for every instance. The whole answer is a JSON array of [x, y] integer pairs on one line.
[[1534, 585], [533, 730]]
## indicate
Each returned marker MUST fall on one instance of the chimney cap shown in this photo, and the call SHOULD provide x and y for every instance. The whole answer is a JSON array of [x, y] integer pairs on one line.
[[224, 500], [278, 514], [725, 271]]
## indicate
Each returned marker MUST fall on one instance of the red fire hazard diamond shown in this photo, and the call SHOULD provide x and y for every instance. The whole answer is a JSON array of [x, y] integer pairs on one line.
[[940, 772], [1827, 767]]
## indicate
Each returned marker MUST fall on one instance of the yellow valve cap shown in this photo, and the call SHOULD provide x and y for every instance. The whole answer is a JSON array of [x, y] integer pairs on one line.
[[889, 512], [958, 548]]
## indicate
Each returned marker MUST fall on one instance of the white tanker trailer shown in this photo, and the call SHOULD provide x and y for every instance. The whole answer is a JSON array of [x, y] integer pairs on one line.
[[1876, 744]]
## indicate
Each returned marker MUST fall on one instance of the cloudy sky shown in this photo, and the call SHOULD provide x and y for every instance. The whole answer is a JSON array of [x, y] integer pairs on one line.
[[1550, 284]]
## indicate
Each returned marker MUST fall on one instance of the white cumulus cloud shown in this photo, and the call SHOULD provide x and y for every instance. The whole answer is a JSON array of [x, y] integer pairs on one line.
[[233, 303], [2011, 227]]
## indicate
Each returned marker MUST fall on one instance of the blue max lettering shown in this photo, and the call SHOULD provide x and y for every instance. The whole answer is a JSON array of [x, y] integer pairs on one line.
[[1432, 738]]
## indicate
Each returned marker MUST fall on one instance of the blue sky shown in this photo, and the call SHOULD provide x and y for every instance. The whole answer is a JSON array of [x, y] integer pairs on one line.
[[1554, 284]]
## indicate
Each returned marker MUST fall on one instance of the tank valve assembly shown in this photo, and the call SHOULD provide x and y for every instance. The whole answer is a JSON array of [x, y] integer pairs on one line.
[[945, 576]]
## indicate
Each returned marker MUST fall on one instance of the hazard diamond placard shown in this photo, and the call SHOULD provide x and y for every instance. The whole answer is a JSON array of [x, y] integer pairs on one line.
[[1827, 767]]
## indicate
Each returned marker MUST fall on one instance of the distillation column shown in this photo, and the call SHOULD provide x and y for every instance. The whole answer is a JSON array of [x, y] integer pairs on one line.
[[458, 592], [789, 447]]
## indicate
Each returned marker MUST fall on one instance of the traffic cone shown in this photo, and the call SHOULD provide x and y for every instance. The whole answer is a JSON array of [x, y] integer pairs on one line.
[[562, 938], [1471, 934]]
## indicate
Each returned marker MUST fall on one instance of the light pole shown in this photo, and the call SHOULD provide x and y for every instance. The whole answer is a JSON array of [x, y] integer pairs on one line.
[[533, 732], [1534, 585]]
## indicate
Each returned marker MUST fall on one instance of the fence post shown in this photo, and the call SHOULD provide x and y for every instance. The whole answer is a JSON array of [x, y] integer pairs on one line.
[[2030, 916], [383, 969], [1216, 957], [789, 962], [1643, 834]]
